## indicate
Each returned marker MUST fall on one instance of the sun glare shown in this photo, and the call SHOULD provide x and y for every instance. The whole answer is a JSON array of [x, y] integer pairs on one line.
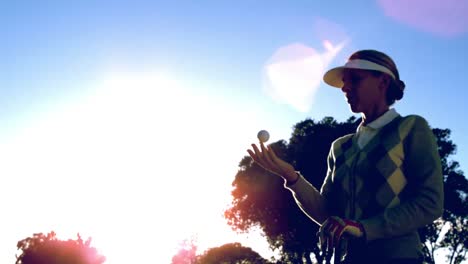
[[139, 165]]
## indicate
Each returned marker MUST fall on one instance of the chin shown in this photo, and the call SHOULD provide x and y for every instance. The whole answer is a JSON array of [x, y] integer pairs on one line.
[[354, 109]]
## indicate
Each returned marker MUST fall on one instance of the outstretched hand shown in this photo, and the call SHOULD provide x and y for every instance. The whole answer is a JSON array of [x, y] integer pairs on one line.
[[267, 159]]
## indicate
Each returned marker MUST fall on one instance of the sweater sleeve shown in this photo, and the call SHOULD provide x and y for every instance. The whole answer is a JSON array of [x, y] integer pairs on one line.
[[422, 168], [309, 199]]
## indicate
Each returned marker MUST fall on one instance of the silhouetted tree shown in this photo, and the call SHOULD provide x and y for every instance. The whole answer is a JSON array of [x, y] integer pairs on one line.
[[455, 207], [431, 235], [232, 253], [48, 249], [456, 240], [260, 199]]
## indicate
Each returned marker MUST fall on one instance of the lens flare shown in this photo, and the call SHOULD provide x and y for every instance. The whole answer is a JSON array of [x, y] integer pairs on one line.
[[294, 73], [441, 17]]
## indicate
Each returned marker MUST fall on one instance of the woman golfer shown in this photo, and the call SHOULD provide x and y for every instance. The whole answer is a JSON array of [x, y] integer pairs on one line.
[[383, 182]]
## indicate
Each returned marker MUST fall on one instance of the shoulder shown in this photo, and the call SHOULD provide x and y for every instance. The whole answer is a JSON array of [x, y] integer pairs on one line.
[[344, 140], [414, 119], [413, 123]]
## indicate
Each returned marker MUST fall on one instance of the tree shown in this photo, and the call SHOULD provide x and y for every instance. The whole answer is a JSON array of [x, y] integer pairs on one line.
[[48, 249], [456, 240], [232, 253], [455, 207], [259, 199], [431, 235]]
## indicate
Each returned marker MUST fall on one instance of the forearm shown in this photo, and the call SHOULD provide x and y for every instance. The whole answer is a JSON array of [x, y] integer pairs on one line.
[[403, 218], [309, 200]]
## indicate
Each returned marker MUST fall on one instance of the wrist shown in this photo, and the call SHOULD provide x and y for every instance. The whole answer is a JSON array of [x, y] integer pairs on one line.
[[292, 178]]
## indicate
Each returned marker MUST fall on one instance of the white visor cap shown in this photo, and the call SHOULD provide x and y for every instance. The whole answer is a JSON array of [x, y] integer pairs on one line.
[[334, 77]]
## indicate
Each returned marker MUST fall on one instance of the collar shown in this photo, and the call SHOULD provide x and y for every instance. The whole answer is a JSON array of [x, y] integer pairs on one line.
[[380, 122]]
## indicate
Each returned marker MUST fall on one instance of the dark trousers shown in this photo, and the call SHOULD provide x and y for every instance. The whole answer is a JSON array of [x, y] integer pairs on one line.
[[358, 254], [405, 261], [391, 261]]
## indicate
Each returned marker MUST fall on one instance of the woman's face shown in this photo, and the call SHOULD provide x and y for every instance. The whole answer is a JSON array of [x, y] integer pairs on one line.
[[363, 90]]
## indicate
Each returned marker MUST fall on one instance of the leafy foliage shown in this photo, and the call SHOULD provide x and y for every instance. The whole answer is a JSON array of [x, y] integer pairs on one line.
[[455, 207], [232, 253], [456, 239], [48, 249]]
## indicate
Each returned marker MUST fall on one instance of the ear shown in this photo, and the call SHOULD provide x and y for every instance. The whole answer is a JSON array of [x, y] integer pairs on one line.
[[385, 82]]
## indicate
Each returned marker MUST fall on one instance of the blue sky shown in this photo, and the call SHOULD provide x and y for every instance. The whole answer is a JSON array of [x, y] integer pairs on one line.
[[193, 79]]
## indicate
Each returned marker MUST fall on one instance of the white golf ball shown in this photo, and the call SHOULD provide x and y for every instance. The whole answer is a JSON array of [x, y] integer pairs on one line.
[[263, 136]]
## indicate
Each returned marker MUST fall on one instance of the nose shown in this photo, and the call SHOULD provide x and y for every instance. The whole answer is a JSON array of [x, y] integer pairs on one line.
[[345, 88]]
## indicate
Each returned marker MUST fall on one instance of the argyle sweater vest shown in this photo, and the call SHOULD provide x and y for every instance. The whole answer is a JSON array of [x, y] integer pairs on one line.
[[393, 185], [368, 180]]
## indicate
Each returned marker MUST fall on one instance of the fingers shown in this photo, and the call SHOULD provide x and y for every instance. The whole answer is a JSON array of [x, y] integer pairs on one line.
[[338, 235], [332, 230], [252, 155], [255, 154], [324, 234], [325, 237], [259, 157], [267, 159], [272, 154], [267, 156], [256, 150], [337, 230], [262, 157]]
